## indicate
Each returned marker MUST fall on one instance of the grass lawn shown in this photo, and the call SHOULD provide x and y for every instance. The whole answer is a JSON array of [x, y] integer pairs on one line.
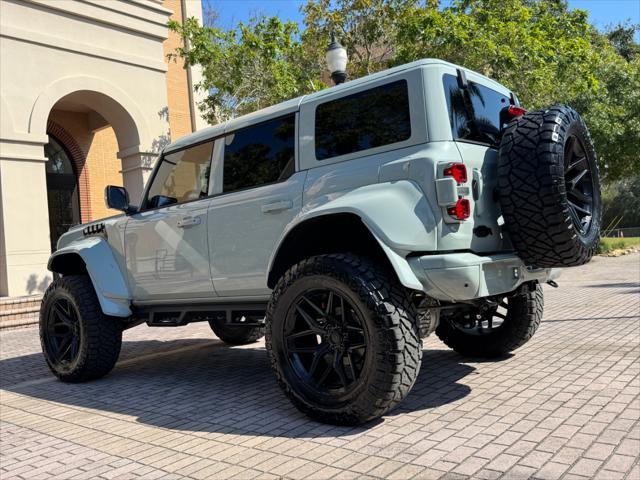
[[609, 244]]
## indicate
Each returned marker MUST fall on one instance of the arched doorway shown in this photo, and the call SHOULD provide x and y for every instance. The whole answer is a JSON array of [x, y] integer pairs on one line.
[[137, 144], [62, 190]]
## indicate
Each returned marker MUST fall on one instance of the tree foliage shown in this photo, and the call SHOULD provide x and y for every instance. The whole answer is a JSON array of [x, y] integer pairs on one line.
[[367, 28], [540, 49], [621, 203], [254, 66]]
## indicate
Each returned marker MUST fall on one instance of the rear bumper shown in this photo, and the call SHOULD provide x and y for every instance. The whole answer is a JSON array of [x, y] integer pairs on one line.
[[465, 276]]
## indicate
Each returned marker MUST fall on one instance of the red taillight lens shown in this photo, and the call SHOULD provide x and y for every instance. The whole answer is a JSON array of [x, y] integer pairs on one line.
[[461, 210], [458, 171], [516, 111]]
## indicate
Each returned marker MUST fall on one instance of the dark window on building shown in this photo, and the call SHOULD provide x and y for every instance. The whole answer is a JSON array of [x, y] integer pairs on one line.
[[261, 154], [62, 191], [482, 122], [368, 119]]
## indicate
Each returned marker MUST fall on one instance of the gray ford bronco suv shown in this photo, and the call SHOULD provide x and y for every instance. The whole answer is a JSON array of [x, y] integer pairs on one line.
[[345, 225]]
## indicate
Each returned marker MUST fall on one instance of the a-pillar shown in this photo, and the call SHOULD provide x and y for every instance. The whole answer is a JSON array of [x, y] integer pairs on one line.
[[136, 170], [25, 245]]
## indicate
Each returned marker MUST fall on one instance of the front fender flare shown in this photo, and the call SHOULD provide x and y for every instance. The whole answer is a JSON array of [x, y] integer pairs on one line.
[[107, 278]]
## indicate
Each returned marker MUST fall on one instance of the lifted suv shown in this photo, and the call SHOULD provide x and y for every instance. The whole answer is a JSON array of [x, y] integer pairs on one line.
[[347, 225]]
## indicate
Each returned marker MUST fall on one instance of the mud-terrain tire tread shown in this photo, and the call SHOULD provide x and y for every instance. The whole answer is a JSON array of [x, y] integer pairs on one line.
[[236, 334], [523, 319], [532, 191], [102, 335], [397, 363]]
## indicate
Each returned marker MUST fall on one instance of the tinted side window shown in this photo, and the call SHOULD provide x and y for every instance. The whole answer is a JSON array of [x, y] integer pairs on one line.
[[484, 125], [182, 176], [367, 119], [260, 154]]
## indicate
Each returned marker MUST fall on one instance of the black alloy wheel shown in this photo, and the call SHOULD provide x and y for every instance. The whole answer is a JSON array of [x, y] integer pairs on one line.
[[63, 334], [497, 330], [78, 340], [326, 341], [483, 322], [342, 337], [578, 179]]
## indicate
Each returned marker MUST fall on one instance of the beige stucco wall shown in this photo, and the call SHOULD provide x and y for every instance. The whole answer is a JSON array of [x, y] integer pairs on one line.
[[107, 55]]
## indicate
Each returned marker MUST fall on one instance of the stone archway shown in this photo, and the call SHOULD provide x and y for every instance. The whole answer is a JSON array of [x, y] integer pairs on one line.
[[107, 99], [136, 149]]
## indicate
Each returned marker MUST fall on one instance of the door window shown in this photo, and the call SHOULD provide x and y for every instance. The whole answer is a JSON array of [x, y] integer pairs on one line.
[[260, 154], [368, 119], [182, 176]]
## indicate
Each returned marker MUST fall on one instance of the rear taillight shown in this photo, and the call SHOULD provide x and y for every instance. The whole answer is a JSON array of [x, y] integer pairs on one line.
[[509, 113], [458, 171], [461, 210], [514, 111]]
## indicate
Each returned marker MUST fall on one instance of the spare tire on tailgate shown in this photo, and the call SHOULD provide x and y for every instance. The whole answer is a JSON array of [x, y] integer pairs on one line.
[[549, 188]]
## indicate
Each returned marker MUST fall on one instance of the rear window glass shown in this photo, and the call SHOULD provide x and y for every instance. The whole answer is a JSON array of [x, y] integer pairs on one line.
[[486, 103], [368, 119]]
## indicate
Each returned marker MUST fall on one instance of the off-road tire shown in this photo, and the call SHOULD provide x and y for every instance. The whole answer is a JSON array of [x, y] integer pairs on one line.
[[395, 353], [236, 334], [523, 319], [532, 192], [100, 335]]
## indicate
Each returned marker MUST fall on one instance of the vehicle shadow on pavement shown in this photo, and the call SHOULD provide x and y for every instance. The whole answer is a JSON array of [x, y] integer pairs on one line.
[[205, 386], [615, 285]]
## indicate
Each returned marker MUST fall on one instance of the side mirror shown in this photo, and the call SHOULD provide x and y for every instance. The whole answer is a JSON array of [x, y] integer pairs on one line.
[[117, 198]]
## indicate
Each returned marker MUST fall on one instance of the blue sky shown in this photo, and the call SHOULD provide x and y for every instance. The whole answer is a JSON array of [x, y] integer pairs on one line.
[[601, 12]]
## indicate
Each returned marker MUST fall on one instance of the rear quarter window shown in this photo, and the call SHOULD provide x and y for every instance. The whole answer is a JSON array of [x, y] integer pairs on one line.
[[486, 104], [364, 120]]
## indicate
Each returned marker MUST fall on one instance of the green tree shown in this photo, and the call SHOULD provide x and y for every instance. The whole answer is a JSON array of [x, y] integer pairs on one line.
[[621, 203], [540, 49], [622, 38], [251, 67], [612, 112], [367, 28]]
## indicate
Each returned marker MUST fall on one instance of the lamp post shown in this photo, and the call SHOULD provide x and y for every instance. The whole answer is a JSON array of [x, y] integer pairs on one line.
[[336, 56]]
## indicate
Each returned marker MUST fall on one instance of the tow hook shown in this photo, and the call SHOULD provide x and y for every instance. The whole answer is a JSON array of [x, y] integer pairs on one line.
[[552, 283]]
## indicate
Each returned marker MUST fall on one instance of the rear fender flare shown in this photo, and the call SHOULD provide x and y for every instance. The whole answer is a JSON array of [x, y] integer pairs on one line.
[[397, 214]]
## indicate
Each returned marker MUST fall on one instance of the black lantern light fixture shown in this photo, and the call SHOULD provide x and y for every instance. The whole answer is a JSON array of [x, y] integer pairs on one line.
[[336, 56]]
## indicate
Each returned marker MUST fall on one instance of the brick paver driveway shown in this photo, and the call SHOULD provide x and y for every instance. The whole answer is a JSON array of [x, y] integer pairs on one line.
[[180, 403]]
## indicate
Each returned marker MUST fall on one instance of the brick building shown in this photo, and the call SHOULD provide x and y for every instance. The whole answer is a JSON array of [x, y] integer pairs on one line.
[[87, 99]]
